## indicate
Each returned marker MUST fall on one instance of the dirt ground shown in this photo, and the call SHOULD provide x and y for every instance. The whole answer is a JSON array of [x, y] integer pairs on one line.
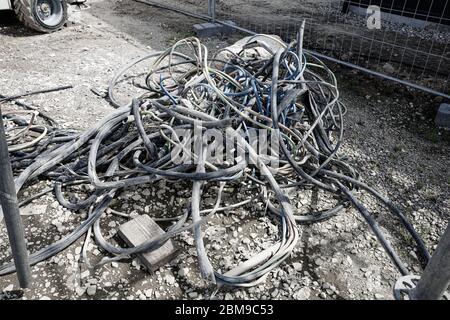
[[390, 138]]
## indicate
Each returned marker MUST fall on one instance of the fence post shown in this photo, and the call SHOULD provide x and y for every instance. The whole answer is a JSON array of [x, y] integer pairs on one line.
[[212, 10], [8, 201], [436, 278]]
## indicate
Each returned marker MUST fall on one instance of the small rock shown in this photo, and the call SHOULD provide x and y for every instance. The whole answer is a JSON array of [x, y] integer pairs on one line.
[[303, 294], [80, 291], [388, 68], [169, 279], [183, 272], [318, 261], [85, 274], [8, 288], [148, 293], [297, 266], [379, 296], [275, 293], [91, 290]]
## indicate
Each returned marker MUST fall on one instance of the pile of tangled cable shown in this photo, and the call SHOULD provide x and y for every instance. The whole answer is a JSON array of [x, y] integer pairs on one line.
[[261, 84]]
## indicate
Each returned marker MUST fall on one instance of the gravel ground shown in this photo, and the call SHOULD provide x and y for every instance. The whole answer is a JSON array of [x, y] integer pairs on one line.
[[390, 139]]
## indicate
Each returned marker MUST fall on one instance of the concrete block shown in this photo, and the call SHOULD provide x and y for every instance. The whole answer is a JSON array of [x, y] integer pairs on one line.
[[443, 116], [142, 229], [209, 29]]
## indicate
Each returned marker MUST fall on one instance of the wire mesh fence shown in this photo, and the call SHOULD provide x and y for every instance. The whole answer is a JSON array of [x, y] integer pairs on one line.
[[404, 39]]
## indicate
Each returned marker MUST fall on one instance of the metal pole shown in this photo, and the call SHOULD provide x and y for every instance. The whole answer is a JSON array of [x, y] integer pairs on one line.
[[212, 10], [9, 203], [436, 278]]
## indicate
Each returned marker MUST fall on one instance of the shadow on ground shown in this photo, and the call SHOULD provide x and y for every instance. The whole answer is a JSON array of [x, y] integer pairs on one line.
[[11, 26]]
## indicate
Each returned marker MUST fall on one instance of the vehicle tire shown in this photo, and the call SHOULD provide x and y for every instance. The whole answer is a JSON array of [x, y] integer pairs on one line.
[[42, 15]]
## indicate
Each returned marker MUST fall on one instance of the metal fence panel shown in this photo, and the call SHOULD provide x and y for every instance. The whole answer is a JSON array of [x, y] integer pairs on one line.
[[411, 43]]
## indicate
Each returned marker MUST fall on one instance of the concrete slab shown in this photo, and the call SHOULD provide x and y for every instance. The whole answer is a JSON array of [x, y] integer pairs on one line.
[[209, 29], [142, 229], [443, 116]]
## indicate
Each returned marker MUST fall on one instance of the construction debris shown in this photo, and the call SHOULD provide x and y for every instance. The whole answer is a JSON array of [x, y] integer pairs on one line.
[[443, 116], [143, 229], [193, 106]]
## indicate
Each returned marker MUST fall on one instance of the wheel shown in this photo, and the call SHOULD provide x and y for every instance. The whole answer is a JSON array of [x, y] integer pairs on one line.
[[42, 15]]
